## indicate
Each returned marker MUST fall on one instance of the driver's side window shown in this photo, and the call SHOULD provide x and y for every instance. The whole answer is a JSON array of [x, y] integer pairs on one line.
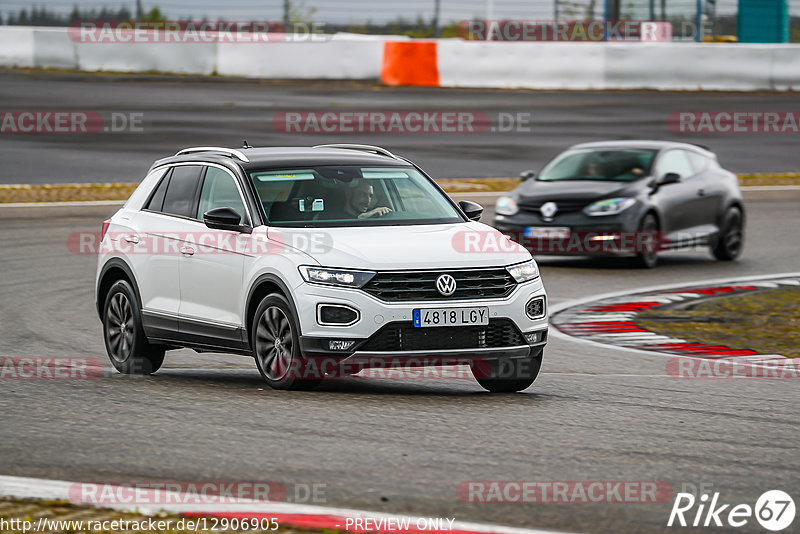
[[674, 161], [220, 191]]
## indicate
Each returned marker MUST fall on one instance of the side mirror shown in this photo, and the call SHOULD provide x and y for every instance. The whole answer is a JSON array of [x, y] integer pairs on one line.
[[225, 219], [669, 178], [526, 175], [472, 210]]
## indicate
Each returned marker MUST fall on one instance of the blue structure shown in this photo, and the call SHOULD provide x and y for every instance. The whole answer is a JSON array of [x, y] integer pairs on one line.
[[763, 21]]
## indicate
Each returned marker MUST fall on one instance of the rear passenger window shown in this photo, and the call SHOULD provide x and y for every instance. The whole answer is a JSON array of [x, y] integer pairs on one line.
[[157, 200], [180, 196]]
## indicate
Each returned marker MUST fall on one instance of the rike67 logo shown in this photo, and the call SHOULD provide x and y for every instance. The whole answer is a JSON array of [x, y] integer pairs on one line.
[[774, 510]]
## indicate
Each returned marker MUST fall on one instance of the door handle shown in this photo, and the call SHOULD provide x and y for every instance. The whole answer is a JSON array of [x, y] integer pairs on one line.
[[701, 192], [187, 251], [132, 239]]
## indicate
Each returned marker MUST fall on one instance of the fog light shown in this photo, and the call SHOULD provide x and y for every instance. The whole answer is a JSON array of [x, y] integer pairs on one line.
[[340, 344], [535, 308], [532, 338], [604, 237], [336, 315]]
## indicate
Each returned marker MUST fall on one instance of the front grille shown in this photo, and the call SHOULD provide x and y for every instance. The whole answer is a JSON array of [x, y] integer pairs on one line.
[[405, 286], [402, 336], [564, 206]]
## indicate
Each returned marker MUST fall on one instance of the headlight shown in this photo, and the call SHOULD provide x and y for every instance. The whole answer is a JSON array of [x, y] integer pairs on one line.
[[506, 206], [523, 272], [335, 277], [609, 206]]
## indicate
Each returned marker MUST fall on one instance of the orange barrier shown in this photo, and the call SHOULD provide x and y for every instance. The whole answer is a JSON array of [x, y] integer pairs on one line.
[[410, 63]]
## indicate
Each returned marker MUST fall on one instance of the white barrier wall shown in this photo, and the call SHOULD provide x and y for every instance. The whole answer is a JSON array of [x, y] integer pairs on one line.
[[336, 59], [509, 65], [665, 66], [785, 67], [53, 49], [536, 65], [16, 46], [180, 58]]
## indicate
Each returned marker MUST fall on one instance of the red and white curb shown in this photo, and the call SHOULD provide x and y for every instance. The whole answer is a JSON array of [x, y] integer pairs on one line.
[[611, 319], [290, 514]]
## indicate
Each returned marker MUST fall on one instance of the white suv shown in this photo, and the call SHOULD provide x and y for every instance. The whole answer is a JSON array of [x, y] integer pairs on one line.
[[318, 262]]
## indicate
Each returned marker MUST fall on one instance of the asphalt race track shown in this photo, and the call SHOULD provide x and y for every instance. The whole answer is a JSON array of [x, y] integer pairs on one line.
[[391, 445], [177, 112]]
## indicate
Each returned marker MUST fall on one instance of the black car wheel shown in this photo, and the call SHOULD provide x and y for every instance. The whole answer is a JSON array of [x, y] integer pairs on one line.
[[276, 346], [126, 343], [648, 257], [728, 245], [508, 375]]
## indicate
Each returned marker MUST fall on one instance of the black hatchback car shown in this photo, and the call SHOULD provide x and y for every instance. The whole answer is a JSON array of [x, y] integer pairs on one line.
[[631, 198]]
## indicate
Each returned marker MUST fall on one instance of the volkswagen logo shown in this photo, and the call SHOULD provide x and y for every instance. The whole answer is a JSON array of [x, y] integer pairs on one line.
[[549, 209], [446, 285]]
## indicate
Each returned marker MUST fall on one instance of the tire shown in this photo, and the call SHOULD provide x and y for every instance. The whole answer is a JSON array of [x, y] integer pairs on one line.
[[281, 364], [126, 344], [648, 259], [730, 241], [508, 375]]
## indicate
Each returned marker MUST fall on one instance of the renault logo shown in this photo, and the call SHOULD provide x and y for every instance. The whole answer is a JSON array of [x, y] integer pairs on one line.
[[446, 285], [549, 209]]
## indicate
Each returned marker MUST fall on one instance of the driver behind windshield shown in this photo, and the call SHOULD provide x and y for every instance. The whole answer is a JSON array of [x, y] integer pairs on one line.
[[359, 196], [594, 169]]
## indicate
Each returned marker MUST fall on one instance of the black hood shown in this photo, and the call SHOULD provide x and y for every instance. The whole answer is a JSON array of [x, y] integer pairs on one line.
[[537, 191]]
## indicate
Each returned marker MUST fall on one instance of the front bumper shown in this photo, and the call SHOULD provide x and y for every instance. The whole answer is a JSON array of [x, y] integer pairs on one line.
[[376, 314], [601, 235]]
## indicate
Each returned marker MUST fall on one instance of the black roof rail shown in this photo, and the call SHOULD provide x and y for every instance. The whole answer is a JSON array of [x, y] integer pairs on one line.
[[232, 152]]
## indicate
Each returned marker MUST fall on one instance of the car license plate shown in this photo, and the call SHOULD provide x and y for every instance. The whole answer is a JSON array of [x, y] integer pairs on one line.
[[425, 317], [547, 232]]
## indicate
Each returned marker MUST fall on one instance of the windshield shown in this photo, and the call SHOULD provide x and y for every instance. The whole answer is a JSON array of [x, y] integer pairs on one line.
[[351, 196], [599, 164]]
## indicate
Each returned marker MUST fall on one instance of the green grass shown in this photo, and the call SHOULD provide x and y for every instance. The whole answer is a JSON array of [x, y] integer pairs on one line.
[[765, 321]]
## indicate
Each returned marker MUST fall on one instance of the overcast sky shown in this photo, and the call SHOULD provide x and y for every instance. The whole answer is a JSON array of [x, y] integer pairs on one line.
[[342, 11]]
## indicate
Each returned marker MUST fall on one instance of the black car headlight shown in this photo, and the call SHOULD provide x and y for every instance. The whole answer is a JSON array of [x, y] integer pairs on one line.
[[609, 206]]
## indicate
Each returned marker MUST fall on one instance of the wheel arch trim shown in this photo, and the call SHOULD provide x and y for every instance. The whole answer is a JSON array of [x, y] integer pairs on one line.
[[115, 263], [258, 282]]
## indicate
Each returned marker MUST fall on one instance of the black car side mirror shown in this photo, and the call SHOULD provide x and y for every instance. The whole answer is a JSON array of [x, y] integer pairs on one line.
[[472, 210], [669, 178], [225, 219], [527, 175]]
